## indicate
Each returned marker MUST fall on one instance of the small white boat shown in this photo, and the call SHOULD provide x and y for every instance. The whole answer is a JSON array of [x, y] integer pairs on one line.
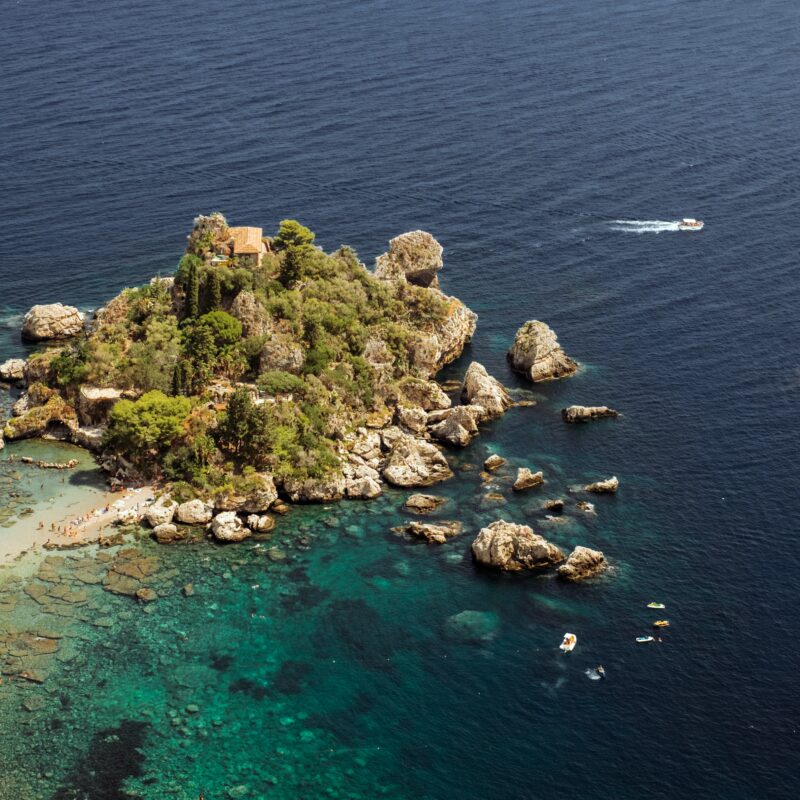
[[689, 224], [568, 645], [644, 639], [656, 605]]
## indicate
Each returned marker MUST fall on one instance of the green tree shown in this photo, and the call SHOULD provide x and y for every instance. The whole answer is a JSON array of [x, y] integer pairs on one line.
[[214, 290], [225, 329], [146, 428], [292, 234], [193, 291], [236, 424]]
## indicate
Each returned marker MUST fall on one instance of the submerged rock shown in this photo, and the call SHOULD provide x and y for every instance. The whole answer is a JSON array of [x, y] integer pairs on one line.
[[435, 532], [537, 354], [512, 547], [582, 563], [472, 626], [527, 479], [607, 486], [415, 462], [554, 506], [481, 389], [423, 503], [586, 413], [51, 321]]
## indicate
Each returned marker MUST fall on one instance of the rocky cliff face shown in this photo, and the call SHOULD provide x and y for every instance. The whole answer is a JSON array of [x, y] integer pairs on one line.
[[52, 321], [537, 354], [415, 257]]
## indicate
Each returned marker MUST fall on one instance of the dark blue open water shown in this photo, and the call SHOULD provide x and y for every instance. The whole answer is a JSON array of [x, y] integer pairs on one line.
[[517, 133]]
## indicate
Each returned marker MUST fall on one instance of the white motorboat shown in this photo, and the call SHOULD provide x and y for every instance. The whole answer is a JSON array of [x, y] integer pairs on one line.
[[689, 224], [568, 645]]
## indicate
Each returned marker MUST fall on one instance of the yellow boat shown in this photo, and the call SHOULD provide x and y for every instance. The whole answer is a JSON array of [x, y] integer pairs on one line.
[[661, 623]]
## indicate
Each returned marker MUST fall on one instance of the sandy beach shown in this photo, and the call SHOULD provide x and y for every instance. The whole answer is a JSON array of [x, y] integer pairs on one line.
[[80, 522]]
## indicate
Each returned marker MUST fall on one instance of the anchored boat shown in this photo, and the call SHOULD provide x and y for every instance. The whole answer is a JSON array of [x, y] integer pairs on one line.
[[644, 639], [656, 605], [661, 623], [689, 224], [568, 645]]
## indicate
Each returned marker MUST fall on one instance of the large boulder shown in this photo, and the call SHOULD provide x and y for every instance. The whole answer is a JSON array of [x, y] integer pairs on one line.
[[582, 563], [512, 547], [434, 532], [167, 533], [527, 479], [537, 354], [227, 527], [51, 321], [316, 490], [250, 313], [95, 403], [423, 503], [458, 425], [493, 462], [411, 418], [12, 370], [161, 512], [481, 389], [194, 512], [607, 486], [363, 488], [586, 413], [415, 257], [260, 523], [415, 462]]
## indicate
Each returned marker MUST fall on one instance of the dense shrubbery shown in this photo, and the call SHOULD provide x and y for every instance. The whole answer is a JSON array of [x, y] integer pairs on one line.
[[185, 351]]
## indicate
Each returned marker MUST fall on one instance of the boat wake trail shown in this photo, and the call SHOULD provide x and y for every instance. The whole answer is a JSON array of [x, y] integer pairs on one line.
[[643, 225]]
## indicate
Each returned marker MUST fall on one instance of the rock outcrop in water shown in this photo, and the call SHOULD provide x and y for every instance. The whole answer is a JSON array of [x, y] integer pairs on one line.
[[527, 480], [512, 547], [434, 532], [607, 486], [586, 413], [423, 503], [415, 462], [12, 370], [51, 321], [481, 389], [582, 563], [537, 354], [228, 527]]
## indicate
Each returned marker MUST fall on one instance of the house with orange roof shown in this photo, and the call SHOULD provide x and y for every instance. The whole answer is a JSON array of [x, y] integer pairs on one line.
[[247, 245]]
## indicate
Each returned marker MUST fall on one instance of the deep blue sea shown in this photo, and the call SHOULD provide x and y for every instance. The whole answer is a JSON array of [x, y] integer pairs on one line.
[[544, 144]]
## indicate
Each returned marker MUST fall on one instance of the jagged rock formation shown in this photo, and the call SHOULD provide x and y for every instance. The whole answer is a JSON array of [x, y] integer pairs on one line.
[[415, 257], [512, 547], [582, 563], [527, 479], [260, 523], [415, 462], [537, 354], [457, 425], [607, 486], [423, 503], [51, 321], [481, 389], [47, 414], [12, 370], [586, 413], [427, 395]]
